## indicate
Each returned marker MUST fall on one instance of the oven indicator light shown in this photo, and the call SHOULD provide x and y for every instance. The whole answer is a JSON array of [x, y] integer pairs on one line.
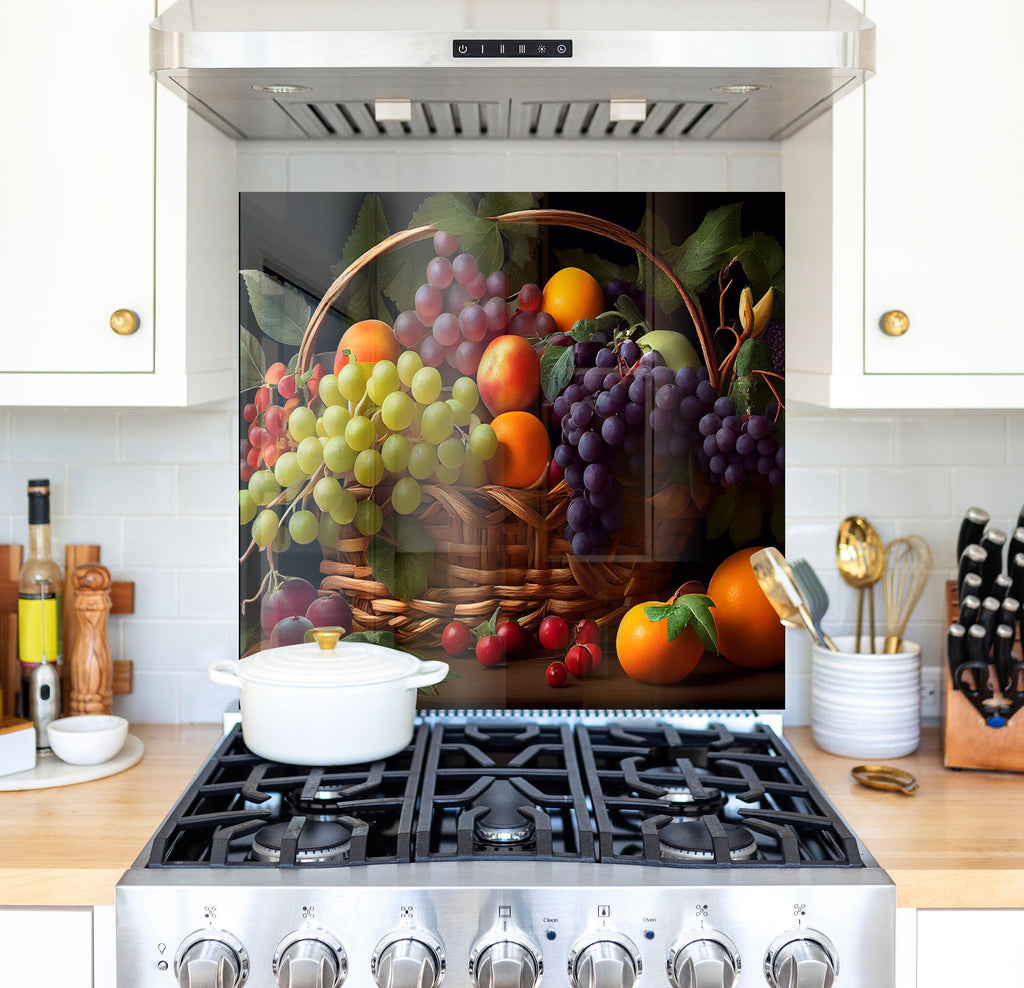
[[161, 965], [551, 934], [649, 934]]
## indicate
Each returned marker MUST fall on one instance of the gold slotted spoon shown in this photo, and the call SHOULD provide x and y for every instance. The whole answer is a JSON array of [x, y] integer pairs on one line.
[[860, 559]]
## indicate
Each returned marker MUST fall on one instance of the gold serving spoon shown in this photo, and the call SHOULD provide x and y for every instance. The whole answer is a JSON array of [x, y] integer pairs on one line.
[[860, 558]]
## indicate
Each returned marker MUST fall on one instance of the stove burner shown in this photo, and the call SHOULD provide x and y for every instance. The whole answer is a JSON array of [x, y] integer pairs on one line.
[[681, 800], [318, 842], [691, 841], [502, 823]]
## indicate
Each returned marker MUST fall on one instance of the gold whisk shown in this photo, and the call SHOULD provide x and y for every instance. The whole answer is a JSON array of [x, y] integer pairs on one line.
[[908, 562]]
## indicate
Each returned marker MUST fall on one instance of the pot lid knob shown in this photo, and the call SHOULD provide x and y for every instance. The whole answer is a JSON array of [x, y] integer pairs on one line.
[[327, 638]]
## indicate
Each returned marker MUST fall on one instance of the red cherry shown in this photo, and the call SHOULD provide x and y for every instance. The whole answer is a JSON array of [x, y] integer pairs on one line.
[[595, 654], [553, 633], [455, 638], [586, 632], [579, 661], [490, 650], [512, 636], [557, 674]]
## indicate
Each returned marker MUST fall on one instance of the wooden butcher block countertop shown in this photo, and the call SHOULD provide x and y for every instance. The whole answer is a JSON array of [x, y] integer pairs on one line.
[[957, 843]]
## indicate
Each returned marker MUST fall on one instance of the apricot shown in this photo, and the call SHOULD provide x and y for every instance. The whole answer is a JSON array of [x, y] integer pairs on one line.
[[509, 375], [368, 341]]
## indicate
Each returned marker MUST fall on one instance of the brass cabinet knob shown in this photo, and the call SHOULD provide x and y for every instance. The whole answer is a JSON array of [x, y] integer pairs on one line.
[[895, 323], [124, 322]]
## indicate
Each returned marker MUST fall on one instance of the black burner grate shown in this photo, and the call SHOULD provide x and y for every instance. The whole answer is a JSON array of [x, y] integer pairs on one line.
[[638, 792]]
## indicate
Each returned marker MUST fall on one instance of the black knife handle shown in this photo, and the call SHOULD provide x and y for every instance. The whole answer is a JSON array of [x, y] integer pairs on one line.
[[972, 560], [993, 542], [971, 587], [1020, 517], [973, 524], [1016, 573], [1010, 611], [970, 608], [988, 619], [956, 650], [1001, 587], [1002, 659], [1016, 545], [977, 644]]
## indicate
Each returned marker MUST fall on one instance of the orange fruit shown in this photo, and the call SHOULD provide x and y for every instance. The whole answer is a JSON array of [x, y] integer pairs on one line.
[[646, 654], [524, 450], [369, 340], [572, 294], [749, 632]]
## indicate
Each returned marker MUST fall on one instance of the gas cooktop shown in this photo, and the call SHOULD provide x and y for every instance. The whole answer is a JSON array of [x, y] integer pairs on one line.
[[628, 793], [494, 852]]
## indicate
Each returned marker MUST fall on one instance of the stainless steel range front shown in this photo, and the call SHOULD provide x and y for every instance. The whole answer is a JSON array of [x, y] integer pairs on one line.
[[503, 852]]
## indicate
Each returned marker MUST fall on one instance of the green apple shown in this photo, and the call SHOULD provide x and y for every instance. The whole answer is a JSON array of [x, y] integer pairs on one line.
[[674, 347]]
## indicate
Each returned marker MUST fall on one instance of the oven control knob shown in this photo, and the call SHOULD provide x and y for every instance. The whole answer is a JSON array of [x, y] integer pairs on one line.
[[801, 959], [604, 960], [211, 959], [310, 959], [505, 963], [707, 960], [408, 959]]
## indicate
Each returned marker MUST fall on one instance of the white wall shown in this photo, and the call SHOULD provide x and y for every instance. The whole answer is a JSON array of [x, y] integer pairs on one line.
[[156, 489]]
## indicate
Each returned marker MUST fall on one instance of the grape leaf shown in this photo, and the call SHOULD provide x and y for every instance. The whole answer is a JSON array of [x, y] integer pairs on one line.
[[746, 522], [557, 365], [586, 329], [654, 230], [409, 534], [252, 363], [385, 638], [453, 212], [719, 515], [371, 227], [281, 311], [602, 270], [488, 627], [691, 610], [402, 271], [708, 249], [764, 264], [403, 573], [626, 307]]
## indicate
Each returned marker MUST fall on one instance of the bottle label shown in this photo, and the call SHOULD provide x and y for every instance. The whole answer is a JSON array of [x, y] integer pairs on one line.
[[38, 624]]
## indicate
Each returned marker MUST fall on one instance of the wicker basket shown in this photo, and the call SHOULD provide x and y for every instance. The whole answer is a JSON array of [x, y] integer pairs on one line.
[[504, 547]]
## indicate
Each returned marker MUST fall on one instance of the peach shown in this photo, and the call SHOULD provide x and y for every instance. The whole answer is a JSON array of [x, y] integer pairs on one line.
[[368, 341], [509, 375]]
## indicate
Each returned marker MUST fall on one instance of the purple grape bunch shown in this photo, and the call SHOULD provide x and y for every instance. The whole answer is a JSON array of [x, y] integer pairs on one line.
[[627, 401]]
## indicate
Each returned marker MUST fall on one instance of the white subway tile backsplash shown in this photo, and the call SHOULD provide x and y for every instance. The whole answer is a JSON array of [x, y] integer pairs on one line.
[[176, 437], [813, 440], [755, 172], [343, 172], [812, 493], [155, 698], [667, 172], [1015, 439], [208, 490], [999, 490], [121, 490], [203, 701], [157, 645], [576, 169], [443, 172], [81, 530], [209, 593], [14, 478], [941, 440], [258, 170], [156, 591], [897, 492], [42, 435], [180, 541]]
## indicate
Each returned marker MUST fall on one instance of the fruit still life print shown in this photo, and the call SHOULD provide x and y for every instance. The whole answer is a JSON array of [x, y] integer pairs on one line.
[[539, 435]]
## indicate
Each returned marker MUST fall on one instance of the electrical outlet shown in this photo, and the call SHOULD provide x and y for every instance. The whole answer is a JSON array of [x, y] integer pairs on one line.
[[931, 688]]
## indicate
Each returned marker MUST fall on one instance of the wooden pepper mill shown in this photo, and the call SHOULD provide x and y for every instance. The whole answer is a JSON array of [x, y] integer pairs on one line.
[[92, 670]]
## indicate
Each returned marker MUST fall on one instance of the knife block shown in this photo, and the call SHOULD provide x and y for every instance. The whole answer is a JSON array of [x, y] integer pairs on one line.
[[967, 741]]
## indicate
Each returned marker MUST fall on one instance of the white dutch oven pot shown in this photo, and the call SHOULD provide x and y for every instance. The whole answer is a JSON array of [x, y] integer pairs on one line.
[[313, 705]]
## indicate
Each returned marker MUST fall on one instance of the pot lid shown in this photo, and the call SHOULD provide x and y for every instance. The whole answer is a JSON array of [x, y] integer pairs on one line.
[[347, 664]]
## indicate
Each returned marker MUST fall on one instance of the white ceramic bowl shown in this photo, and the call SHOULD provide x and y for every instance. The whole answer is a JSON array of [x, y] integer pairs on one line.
[[88, 739]]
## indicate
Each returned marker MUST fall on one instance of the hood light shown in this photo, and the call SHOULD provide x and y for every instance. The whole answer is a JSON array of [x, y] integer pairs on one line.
[[741, 89], [281, 90]]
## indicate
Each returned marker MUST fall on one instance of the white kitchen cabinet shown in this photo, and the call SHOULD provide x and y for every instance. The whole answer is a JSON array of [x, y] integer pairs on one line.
[[101, 212], [46, 947], [905, 197], [968, 947]]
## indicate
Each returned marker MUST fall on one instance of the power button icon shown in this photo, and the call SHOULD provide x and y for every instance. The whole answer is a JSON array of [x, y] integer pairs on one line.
[[463, 49]]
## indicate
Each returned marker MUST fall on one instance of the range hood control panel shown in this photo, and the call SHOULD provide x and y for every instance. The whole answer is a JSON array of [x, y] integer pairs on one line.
[[512, 48]]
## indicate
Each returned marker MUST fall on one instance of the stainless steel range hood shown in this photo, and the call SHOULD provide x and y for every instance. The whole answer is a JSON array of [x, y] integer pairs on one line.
[[533, 69]]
